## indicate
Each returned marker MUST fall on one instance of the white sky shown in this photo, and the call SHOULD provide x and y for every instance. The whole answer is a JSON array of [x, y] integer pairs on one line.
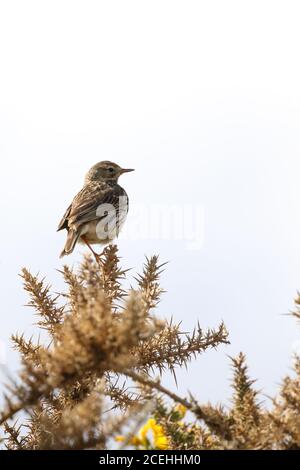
[[203, 99]]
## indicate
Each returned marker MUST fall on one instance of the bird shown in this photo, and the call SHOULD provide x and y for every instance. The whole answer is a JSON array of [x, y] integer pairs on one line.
[[98, 211]]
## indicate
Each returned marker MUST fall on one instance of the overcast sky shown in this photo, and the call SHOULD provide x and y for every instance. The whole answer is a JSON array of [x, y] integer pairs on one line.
[[202, 98]]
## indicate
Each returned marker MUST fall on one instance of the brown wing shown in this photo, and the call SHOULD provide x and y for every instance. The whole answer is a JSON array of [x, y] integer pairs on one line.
[[84, 206], [64, 221]]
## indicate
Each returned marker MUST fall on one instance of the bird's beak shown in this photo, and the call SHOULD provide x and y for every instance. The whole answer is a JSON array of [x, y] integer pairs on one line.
[[126, 170]]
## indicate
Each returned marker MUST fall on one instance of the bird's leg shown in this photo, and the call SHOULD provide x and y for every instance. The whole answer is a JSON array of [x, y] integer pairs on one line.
[[97, 257]]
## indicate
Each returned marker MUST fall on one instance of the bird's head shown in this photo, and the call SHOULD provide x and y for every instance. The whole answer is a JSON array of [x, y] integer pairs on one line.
[[105, 171]]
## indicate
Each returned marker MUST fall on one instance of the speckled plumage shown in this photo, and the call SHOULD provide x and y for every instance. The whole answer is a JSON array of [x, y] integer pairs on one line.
[[101, 200]]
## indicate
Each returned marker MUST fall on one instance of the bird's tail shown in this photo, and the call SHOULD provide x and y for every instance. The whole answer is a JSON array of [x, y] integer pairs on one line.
[[72, 238]]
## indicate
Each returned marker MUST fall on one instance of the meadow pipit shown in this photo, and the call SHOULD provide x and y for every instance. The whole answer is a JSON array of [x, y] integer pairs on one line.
[[98, 211]]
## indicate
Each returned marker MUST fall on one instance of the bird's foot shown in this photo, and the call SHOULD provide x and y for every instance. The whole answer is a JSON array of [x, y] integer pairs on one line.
[[97, 256]]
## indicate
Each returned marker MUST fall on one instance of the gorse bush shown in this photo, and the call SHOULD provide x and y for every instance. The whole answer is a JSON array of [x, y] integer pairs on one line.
[[95, 384]]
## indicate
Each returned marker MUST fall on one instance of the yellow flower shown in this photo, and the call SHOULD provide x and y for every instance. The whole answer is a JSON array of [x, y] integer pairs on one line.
[[160, 440], [134, 440], [181, 410], [150, 434]]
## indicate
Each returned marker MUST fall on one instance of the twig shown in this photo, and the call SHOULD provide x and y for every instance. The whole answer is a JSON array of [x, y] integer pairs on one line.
[[219, 428]]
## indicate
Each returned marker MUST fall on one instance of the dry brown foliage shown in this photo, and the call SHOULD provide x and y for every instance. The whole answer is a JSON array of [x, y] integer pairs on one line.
[[96, 376]]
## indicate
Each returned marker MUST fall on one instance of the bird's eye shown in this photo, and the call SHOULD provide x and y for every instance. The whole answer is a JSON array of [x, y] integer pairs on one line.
[[111, 169]]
